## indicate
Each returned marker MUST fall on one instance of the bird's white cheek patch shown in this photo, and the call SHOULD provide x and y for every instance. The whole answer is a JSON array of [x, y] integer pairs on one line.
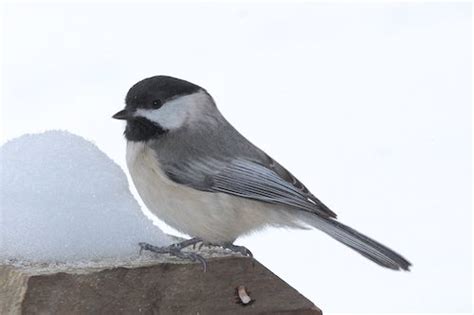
[[175, 113], [170, 116]]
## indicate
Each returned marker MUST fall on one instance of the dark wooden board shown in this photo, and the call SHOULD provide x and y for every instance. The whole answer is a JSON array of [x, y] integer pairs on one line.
[[161, 288]]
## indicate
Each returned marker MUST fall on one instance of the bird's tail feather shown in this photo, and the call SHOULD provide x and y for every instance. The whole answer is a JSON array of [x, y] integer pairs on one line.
[[362, 244]]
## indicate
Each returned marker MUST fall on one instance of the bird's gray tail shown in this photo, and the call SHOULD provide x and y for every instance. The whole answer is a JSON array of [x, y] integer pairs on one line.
[[362, 244]]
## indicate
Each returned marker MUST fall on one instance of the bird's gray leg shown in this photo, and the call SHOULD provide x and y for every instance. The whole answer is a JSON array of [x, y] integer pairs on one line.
[[228, 245], [238, 249], [176, 250], [186, 243]]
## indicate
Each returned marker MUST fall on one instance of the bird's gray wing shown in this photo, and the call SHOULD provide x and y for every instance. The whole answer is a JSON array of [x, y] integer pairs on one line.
[[257, 180], [287, 176]]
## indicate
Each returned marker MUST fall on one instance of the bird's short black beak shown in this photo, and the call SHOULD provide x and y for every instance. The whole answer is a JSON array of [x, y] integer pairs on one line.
[[123, 115]]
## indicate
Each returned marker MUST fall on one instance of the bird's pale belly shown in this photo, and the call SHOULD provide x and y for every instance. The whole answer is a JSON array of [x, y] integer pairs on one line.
[[214, 217]]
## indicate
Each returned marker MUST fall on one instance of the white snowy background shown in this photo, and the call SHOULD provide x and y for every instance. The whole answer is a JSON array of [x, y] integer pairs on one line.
[[369, 105]]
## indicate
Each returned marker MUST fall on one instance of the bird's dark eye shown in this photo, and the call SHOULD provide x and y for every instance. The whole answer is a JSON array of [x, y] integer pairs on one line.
[[157, 104]]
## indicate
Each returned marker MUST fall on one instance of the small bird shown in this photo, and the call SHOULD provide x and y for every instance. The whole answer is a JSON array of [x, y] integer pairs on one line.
[[198, 174]]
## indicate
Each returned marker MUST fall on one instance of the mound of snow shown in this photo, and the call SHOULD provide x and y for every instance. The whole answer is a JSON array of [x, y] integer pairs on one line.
[[62, 199]]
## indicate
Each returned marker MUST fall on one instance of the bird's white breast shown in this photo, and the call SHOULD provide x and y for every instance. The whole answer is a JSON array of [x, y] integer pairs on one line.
[[214, 217]]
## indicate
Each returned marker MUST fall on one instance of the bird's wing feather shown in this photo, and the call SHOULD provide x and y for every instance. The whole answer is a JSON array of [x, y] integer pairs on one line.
[[248, 179], [286, 175]]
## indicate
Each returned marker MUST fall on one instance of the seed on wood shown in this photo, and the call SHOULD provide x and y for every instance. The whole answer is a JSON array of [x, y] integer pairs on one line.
[[244, 297]]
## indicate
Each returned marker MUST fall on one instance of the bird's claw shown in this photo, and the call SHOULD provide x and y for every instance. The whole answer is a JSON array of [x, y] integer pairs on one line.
[[244, 251], [176, 251]]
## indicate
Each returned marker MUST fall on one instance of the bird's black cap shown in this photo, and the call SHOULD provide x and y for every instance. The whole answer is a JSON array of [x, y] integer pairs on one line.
[[160, 88]]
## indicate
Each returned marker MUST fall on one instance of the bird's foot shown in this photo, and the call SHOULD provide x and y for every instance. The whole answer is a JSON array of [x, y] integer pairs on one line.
[[244, 251], [238, 249], [176, 250], [186, 243]]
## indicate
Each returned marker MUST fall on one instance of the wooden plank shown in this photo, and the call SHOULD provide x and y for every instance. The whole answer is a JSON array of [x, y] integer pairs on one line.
[[162, 287]]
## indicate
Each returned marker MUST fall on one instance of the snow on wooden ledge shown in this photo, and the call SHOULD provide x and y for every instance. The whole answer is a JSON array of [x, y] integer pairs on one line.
[[149, 285]]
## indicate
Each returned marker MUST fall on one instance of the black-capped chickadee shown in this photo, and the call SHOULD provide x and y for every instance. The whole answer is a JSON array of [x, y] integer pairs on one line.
[[201, 176]]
